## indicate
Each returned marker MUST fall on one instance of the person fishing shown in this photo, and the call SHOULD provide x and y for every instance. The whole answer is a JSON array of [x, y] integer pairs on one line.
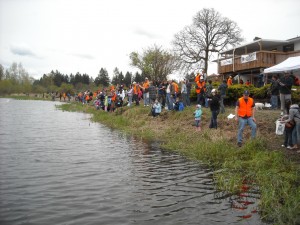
[[285, 91]]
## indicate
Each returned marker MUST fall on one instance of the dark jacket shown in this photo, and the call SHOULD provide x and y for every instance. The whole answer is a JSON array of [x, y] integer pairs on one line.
[[222, 88], [214, 103], [274, 89], [285, 85], [152, 92]]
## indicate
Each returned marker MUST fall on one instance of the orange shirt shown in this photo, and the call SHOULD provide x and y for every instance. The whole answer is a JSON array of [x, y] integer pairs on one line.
[[146, 84], [175, 85]]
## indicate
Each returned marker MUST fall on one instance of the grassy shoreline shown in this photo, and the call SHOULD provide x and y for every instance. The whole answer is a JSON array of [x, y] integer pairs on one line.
[[275, 171]]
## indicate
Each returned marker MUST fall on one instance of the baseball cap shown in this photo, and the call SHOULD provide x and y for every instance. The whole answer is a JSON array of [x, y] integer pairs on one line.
[[246, 92]]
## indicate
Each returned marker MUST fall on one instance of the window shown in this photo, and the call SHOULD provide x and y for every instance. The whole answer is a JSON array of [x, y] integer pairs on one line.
[[288, 48]]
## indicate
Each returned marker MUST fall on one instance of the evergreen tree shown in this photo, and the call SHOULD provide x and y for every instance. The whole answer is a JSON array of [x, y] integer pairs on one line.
[[115, 78], [138, 77], [127, 79], [85, 79], [102, 78]]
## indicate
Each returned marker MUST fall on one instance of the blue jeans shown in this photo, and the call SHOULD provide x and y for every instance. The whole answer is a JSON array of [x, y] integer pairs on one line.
[[129, 100], [274, 101], [146, 98], [206, 102], [242, 123], [200, 99], [296, 134], [188, 101], [170, 101], [184, 99], [213, 119]]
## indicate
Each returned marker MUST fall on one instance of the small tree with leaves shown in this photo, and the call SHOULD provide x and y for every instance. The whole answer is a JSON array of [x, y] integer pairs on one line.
[[155, 62]]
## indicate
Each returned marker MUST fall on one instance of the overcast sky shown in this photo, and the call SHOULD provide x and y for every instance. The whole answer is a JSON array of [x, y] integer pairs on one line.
[[86, 35]]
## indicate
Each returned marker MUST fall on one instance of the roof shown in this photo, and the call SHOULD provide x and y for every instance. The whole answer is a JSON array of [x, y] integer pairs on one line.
[[267, 44], [291, 63]]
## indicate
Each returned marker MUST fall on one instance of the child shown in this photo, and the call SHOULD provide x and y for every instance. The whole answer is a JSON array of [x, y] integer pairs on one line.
[[178, 105], [197, 115], [156, 108]]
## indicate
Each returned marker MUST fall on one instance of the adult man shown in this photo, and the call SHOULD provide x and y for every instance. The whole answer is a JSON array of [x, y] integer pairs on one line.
[[209, 88], [244, 113], [136, 89], [285, 90], [170, 99], [200, 91], [162, 93], [188, 91], [274, 90], [152, 93], [145, 88], [184, 93], [222, 88], [214, 108]]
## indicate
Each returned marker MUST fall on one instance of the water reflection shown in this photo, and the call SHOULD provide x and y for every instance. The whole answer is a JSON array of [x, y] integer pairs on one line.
[[59, 168]]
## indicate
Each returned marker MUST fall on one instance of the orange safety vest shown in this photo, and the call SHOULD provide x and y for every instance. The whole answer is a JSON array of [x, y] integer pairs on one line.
[[146, 84], [201, 87], [136, 89], [197, 78], [245, 108], [175, 85], [229, 82], [114, 97]]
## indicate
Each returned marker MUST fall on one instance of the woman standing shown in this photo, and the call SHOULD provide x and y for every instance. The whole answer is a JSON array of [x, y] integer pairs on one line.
[[214, 108]]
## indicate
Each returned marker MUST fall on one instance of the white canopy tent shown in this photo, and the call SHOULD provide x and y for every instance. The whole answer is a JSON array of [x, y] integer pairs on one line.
[[291, 63]]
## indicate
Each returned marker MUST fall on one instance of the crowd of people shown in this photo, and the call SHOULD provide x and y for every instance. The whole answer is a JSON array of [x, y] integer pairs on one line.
[[169, 95]]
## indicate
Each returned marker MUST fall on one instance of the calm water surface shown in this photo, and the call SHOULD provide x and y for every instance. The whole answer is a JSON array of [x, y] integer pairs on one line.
[[60, 168]]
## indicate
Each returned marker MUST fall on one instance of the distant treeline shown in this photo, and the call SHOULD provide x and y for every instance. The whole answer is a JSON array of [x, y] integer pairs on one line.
[[17, 80]]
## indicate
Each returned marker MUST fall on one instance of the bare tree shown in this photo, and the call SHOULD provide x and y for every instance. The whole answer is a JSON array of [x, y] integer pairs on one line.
[[210, 33]]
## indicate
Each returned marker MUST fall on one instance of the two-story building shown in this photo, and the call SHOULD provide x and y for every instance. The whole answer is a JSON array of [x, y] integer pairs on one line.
[[247, 62]]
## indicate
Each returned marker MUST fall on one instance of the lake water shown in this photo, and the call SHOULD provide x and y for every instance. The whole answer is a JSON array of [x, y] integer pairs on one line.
[[60, 168]]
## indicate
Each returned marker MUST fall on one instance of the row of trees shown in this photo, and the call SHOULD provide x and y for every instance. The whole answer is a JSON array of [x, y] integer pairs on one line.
[[17, 80], [193, 48]]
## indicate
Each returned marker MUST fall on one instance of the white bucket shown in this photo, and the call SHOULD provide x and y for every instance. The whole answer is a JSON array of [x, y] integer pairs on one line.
[[279, 127]]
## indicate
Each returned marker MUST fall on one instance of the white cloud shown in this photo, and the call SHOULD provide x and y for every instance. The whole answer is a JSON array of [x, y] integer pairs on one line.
[[22, 50]]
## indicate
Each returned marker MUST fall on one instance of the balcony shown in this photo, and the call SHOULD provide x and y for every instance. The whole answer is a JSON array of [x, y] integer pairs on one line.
[[264, 59]]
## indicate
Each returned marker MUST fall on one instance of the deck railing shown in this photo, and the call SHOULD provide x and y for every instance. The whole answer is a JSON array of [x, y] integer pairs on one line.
[[264, 59]]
